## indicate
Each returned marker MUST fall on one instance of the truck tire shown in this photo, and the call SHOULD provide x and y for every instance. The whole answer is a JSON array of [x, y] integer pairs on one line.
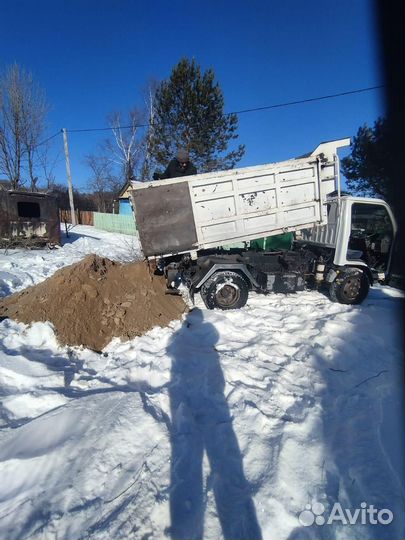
[[350, 287], [225, 290]]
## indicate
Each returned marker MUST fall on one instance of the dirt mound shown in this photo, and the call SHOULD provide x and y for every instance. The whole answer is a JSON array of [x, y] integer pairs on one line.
[[95, 300]]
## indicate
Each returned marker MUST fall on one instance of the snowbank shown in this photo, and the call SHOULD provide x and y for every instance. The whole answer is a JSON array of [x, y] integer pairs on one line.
[[227, 424]]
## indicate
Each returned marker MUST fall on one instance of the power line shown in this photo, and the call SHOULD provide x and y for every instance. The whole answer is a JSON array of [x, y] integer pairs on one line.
[[243, 111], [288, 103], [106, 128], [48, 139]]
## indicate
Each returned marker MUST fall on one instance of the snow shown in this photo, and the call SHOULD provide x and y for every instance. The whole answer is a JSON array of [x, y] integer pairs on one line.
[[223, 425], [20, 269]]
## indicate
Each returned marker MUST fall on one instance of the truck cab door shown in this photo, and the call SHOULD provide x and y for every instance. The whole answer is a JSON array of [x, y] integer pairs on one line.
[[372, 234]]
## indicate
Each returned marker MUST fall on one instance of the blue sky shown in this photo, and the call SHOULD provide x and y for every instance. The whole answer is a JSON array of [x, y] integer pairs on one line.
[[93, 57]]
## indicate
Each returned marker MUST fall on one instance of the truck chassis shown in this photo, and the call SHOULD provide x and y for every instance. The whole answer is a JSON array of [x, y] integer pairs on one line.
[[224, 278]]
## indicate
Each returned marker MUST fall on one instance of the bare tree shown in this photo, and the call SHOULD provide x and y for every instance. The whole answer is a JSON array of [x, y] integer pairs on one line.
[[34, 109], [23, 110], [149, 163], [127, 147], [47, 162], [103, 183], [11, 126]]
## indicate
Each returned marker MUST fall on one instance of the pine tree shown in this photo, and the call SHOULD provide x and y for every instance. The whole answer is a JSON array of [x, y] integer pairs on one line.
[[366, 169], [189, 113]]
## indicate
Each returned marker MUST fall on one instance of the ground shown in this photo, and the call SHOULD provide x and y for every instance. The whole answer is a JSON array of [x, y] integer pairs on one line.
[[240, 424]]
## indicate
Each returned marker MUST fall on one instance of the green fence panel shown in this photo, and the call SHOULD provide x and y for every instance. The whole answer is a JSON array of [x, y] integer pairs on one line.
[[115, 223]]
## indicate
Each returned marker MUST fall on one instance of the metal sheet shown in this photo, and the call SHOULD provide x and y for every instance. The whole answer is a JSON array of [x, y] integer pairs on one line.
[[164, 218]]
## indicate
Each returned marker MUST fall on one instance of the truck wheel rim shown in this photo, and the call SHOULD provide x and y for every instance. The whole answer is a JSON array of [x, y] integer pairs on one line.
[[228, 295], [351, 288]]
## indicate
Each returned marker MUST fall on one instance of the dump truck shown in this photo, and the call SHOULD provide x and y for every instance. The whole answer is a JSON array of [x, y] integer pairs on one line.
[[342, 244]]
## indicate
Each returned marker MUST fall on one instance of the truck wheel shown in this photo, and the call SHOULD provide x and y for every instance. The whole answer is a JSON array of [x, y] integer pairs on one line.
[[225, 290], [350, 287]]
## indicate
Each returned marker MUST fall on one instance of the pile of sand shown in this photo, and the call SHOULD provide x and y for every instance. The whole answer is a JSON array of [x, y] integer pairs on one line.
[[95, 300]]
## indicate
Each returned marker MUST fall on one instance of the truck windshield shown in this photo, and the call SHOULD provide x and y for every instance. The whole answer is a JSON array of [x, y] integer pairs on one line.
[[371, 235]]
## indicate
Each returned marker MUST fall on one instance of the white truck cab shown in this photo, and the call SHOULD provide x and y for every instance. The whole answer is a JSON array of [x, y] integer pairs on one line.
[[360, 230]]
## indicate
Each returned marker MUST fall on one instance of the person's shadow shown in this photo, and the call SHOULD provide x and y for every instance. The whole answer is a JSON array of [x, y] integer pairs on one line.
[[201, 421]]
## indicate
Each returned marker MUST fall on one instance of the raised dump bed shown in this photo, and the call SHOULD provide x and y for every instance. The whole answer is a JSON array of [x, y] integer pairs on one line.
[[213, 209]]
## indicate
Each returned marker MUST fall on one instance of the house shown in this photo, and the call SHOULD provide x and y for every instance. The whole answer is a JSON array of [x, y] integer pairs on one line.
[[125, 207]]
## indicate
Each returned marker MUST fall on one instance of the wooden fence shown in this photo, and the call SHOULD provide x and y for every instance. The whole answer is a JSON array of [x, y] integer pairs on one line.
[[83, 217]]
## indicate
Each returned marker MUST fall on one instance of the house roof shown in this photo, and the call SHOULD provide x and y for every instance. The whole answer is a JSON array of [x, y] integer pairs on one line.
[[124, 189]]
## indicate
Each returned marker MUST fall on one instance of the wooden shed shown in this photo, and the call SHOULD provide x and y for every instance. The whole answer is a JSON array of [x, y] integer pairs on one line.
[[28, 218]]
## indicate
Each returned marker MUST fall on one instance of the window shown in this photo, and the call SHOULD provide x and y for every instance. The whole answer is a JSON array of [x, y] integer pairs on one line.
[[28, 209], [370, 220], [371, 235]]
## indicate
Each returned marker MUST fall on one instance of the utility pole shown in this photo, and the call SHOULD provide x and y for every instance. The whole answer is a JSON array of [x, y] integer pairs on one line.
[[69, 177]]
